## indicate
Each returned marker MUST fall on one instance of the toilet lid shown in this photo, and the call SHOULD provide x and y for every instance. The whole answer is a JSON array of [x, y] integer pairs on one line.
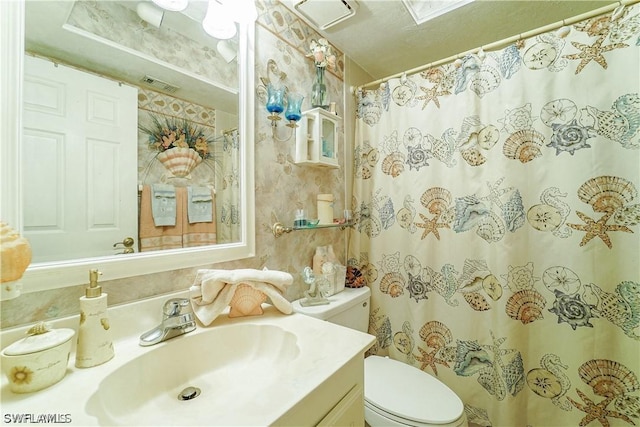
[[407, 392]]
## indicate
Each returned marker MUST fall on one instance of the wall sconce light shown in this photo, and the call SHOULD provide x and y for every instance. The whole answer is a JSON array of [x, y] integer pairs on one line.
[[149, 13], [275, 106]]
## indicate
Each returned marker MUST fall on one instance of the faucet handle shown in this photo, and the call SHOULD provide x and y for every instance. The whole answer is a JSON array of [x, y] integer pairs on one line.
[[176, 306]]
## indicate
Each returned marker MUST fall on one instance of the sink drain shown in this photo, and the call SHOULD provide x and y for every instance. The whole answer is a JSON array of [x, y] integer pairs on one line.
[[189, 393]]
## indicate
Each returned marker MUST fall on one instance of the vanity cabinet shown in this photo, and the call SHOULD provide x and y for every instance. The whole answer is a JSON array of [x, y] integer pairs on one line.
[[348, 412], [338, 401], [317, 138]]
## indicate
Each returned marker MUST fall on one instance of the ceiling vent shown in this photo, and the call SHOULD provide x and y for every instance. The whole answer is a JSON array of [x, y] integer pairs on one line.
[[326, 13], [159, 84]]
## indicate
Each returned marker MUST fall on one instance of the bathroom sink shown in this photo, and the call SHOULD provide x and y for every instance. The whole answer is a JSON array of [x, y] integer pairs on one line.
[[217, 376]]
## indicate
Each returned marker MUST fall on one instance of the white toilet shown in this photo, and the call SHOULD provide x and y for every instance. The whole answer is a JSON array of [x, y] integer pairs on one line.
[[395, 393]]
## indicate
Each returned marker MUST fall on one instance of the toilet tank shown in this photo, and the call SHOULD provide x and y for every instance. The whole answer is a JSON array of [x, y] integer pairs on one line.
[[348, 308]]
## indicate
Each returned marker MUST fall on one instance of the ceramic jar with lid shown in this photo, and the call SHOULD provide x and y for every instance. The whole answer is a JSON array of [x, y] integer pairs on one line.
[[38, 360]]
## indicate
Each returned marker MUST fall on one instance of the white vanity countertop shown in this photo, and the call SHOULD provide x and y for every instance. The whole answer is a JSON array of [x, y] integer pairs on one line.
[[324, 348]]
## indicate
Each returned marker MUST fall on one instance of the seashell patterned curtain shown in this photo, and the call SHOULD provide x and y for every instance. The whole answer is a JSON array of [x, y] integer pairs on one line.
[[497, 223]]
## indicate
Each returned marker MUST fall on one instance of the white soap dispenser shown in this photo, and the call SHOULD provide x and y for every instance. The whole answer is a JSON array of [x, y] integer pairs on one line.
[[94, 337]]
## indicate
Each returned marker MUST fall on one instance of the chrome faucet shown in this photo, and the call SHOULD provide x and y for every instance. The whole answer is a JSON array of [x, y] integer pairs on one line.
[[177, 319]]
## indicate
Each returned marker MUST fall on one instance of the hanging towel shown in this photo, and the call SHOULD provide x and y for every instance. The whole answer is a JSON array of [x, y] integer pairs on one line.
[[199, 204], [154, 238], [198, 233], [213, 290], [163, 204]]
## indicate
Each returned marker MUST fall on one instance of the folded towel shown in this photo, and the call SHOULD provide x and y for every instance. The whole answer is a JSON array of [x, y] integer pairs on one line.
[[212, 290], [163, 204], [199, 204]]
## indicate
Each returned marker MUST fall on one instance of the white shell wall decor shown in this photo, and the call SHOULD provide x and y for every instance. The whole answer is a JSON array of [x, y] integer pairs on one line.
[[180, 161]]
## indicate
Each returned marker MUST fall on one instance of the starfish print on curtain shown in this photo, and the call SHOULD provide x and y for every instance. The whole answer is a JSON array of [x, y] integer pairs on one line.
[[592, 53], [431, 226], [597, 228], [431, 94], [597, 412], [430, 359]]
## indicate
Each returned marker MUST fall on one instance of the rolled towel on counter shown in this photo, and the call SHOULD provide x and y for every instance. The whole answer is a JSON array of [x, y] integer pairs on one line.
[[213, 290], [163, 205], [199, 204]]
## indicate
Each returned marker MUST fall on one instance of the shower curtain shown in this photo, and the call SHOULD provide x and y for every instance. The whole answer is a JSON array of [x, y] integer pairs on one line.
[[497, 210], [227, 188]]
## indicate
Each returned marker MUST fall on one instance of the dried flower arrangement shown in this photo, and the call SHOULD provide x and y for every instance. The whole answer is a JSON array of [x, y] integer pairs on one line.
[[174, 132]]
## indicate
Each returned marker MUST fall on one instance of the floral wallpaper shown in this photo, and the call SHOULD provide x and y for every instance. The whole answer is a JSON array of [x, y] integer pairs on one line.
[[497, 213], [281, 185]]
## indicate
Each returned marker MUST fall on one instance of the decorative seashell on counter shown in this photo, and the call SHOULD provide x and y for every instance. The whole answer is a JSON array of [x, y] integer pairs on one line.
[[607, 193], [246, 301], [15, 256], [180, 161]]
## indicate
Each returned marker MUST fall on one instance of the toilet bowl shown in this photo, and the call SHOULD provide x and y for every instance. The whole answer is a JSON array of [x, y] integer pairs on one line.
[[395, 393]]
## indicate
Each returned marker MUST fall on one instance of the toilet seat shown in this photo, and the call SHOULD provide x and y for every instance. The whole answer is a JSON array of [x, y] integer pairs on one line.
[[408, 395]]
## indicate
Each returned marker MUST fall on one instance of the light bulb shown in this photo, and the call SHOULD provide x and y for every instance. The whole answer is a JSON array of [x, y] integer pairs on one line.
[[173, 5], [218, 22]]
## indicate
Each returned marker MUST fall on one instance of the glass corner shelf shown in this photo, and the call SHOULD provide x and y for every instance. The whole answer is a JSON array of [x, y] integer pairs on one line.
[[278, 229]]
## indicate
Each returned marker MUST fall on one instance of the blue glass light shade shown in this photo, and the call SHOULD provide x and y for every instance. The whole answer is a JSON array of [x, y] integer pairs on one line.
[[294, 102], [275, 99]]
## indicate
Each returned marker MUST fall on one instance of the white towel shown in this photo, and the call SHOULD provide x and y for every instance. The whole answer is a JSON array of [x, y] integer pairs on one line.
[[212, 290], [199, 204], [163, 205]]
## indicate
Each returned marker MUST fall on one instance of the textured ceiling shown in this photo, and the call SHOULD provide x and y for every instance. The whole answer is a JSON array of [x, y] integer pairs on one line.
[[384, 39]]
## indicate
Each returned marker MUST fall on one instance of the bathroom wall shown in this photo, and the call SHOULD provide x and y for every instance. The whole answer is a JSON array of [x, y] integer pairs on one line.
[[282, 42]]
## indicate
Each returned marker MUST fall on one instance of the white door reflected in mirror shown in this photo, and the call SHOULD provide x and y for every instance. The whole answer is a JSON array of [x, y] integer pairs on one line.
[[79, 165], [238, 102]]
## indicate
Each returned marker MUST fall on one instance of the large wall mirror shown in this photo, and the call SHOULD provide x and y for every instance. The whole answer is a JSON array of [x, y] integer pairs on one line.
[[145, 71]]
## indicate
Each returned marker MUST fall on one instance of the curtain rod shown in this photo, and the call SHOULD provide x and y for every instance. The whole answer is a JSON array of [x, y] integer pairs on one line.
[[504, 42]]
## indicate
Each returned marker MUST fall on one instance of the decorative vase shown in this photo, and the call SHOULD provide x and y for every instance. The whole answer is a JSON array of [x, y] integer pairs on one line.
[[319, 96], [180, 161]]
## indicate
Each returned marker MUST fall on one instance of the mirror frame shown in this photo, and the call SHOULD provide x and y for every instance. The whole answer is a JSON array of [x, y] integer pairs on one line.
[[52, 275]]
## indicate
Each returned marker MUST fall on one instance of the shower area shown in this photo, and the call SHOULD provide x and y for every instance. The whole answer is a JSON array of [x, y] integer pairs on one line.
[[497, 209]]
